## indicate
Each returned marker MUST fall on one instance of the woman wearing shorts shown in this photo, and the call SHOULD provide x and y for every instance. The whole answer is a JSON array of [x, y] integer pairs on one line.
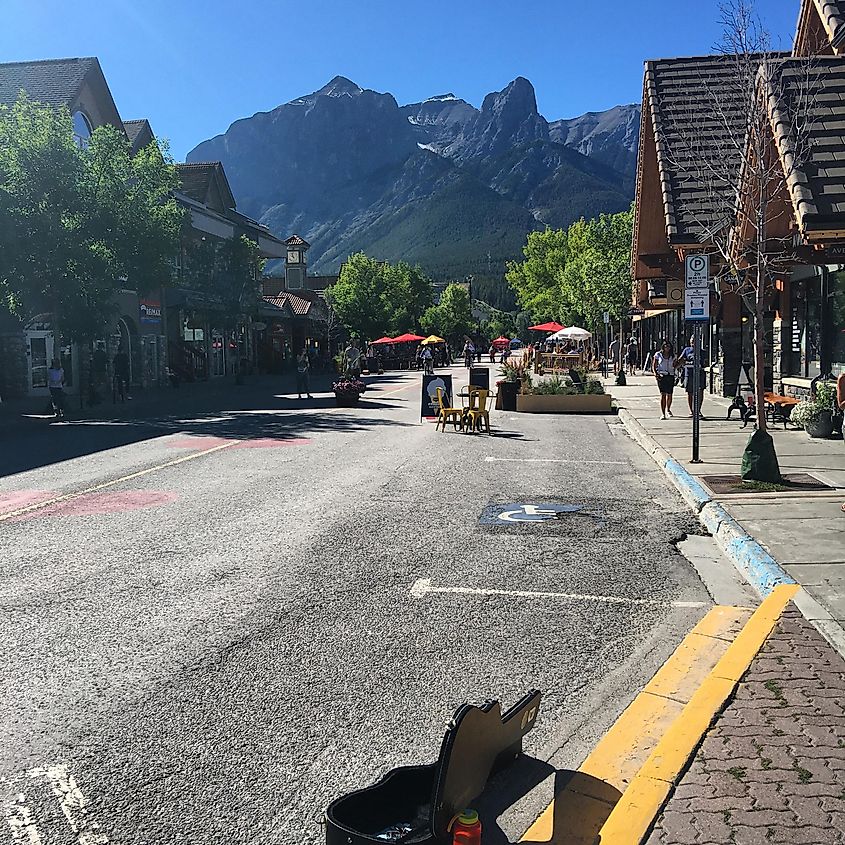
[[664, 367]]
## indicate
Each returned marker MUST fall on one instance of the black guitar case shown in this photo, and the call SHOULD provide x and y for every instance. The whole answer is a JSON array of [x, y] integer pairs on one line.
[[424, 800]]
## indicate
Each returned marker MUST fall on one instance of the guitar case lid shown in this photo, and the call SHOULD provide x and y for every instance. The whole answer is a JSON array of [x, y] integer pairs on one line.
[[478, 742]]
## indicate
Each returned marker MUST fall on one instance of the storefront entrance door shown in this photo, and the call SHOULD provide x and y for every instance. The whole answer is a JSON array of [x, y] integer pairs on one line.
[[39, 355]]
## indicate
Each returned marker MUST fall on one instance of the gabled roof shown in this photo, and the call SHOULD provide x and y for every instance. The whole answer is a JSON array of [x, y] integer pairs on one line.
[[817, 184], [678, 99], [302, 303], [139, 132], [296, 240], [55, 82], [200, 179]]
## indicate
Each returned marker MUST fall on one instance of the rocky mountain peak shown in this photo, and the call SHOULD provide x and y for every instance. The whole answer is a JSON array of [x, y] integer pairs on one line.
[[340, 86]]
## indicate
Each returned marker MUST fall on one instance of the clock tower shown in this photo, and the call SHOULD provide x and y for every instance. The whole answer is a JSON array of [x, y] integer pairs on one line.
[[295, 263]]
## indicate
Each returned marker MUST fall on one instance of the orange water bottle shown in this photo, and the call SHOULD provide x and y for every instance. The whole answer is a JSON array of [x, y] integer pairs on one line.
[[467, 829]]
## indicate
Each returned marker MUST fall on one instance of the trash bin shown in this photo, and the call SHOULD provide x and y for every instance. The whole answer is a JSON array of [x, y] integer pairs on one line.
[[417, 804], [508, 391]]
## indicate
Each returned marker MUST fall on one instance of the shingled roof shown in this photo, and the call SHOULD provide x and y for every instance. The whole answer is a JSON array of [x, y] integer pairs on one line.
[[139, 132], [197, 179], [303, 303], [55, 82], [678, 98], [821, 27], [816, 184]]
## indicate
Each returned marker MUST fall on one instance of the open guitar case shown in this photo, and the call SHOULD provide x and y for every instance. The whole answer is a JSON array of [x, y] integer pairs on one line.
[[479, 741]]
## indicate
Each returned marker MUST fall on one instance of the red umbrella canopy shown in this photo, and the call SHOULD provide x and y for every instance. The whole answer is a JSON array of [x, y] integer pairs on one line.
[[501, 341], [547, 327], [407, 338], [384, 339]]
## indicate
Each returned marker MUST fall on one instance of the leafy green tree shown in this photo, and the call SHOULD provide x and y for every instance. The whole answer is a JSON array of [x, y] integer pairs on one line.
[[359, 297], [409, 293], [77, 224], [451, 318], [372, 297], [227, 270], [536, 280], [597, 277], [575, 276]]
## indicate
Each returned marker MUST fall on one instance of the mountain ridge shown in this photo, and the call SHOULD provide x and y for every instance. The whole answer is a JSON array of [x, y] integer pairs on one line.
[[441, 183]]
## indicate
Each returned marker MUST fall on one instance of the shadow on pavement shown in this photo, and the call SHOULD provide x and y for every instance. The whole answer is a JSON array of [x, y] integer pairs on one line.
[[274, 417]]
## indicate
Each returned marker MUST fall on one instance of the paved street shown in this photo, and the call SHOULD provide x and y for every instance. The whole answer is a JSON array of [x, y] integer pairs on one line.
[[209, 627]]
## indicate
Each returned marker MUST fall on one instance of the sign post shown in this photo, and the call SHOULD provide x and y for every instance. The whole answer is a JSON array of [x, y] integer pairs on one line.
[[697, 311], [606, 342]]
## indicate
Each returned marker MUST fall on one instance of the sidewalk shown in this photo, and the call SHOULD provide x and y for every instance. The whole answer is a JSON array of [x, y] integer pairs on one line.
[[803, 531], [772, 768]]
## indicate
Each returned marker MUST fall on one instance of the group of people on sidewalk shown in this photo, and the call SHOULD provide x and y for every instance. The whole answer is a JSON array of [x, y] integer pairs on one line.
[[666, 367]]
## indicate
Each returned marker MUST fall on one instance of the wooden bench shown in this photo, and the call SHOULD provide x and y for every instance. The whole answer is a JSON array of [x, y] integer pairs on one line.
[[779, 408]]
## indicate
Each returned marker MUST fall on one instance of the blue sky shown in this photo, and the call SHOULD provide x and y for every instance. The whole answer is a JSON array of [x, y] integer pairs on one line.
[[193, 68]]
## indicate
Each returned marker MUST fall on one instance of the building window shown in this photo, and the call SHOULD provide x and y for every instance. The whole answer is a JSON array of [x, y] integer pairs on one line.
[[81, 130], [836, 303], [806, 338]]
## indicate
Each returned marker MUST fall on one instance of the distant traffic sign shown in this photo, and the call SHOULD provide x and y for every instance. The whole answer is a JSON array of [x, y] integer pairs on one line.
[[696, 305], [697, 272]]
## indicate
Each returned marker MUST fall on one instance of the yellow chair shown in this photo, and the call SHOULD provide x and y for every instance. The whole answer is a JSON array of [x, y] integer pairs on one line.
[[477, 412], [447, 414]]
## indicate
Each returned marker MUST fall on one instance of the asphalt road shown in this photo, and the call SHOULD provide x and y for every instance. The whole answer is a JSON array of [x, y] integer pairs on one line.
[[208, 629]]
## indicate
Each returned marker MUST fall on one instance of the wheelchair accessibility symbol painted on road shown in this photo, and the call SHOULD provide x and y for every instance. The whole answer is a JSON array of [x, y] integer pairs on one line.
[[498, 514]]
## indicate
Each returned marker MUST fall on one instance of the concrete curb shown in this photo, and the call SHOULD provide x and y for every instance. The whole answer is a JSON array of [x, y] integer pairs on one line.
[[758, 567]]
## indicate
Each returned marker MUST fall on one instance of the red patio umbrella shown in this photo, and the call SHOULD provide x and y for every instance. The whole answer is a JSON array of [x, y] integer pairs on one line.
[[547, 327], [501, 342], [407, 338], [384, 339]]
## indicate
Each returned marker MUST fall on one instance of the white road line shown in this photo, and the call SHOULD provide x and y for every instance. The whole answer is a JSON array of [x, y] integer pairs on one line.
[[546, 461], [73, 803], [422, 586], [19, 818]]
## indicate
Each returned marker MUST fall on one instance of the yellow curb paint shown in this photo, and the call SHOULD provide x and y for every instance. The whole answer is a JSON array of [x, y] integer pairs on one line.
[[591, 794], [68, 496], [634, 814]]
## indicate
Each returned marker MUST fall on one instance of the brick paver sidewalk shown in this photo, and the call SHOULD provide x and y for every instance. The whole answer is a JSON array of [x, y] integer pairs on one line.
[[772, 769]]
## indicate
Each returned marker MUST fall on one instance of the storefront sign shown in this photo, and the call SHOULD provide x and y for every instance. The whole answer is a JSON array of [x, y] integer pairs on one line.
[[150, 311]]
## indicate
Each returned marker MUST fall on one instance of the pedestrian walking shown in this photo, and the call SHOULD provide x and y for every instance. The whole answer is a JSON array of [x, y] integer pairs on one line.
[[687, 362], [56, 386], [616, 354], [492, 353], [469, 353], [303, 374], [664, 368], [632, 355], [427, 360], [352, 359], [120, 368]]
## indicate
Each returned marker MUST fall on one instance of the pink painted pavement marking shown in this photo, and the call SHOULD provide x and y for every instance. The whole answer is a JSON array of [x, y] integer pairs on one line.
[[200, 442], [96, 504], [23, 498]]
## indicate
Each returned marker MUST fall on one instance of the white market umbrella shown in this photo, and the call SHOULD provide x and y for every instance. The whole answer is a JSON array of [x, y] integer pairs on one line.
[[571, 333]]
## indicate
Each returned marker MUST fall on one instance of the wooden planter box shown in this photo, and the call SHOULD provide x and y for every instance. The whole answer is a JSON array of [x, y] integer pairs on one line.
[[577, 404]]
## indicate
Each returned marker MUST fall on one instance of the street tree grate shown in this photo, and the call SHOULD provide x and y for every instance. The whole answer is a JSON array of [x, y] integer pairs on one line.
[[799, 482]]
